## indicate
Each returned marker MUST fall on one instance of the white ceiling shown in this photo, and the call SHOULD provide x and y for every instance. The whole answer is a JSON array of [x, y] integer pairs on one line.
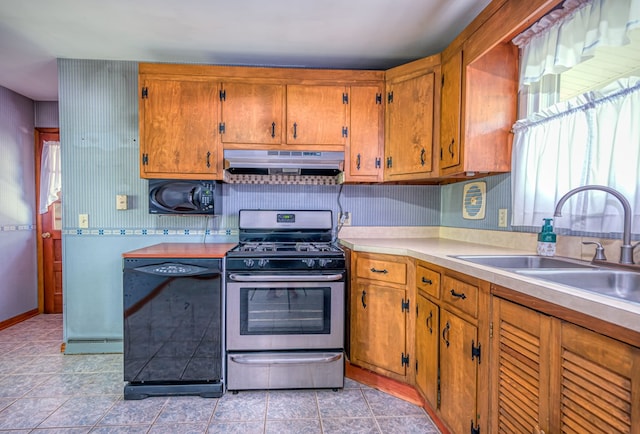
[[359, 34]]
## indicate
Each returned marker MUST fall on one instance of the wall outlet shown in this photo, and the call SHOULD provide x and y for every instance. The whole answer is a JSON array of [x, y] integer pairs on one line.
[[502, 218], [83, 221], [345, 218]]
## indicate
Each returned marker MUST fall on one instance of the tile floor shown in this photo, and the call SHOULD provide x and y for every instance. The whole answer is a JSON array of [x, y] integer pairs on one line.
[[43, 391]]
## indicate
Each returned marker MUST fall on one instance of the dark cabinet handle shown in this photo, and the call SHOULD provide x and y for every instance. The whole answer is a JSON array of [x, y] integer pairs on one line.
[[375, 270], [208, 159], [429, 322], [458, 294], [427, 281], [422, 161], [358, 162], [273, 129], [295, 130], [364, 294], [445, 333], [451, 147]]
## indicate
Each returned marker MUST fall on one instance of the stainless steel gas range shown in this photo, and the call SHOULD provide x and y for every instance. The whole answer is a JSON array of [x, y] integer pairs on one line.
[[285, 302]]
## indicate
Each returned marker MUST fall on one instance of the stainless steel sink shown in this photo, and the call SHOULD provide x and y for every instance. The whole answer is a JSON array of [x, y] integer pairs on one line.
[[523, 261], [624, 285]]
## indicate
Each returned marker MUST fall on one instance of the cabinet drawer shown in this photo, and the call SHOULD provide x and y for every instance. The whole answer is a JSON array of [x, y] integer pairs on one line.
[[463, 296], [428, 281], [385, 271]]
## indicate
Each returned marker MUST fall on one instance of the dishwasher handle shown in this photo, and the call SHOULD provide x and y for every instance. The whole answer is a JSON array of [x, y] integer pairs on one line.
[[285, 277]]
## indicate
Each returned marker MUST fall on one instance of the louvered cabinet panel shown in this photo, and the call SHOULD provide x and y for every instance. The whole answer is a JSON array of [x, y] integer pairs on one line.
[[520, 368], [600, 383]]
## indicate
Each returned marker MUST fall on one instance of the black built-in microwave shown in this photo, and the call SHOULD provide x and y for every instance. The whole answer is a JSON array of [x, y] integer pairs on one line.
[[185, 197]]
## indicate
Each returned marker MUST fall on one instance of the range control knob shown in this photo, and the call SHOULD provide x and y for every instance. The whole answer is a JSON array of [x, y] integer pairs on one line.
[[309, 262], [249, 263], [325, 262], [262, 263]]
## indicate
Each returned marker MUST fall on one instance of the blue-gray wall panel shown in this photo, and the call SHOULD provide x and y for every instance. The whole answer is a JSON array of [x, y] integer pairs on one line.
[[18, 285]]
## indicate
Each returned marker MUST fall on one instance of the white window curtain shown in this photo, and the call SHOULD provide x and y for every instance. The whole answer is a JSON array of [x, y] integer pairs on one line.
[[569, 35], [50, 175], [592, 139]]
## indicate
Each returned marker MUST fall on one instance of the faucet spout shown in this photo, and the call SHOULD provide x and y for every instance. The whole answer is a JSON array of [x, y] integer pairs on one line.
[[626, 250]]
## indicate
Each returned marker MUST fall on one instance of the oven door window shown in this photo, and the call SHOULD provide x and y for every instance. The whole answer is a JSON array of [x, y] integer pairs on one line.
[[279, 310]]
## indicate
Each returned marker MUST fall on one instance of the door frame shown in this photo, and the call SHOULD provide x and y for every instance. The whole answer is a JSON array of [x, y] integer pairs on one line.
[[38, 133]]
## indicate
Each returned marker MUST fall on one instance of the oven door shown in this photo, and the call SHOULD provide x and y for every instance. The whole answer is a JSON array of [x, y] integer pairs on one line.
[[284, 312]]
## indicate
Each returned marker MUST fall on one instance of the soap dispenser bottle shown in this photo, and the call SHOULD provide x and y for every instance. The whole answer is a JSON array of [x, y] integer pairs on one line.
[[547, 239]]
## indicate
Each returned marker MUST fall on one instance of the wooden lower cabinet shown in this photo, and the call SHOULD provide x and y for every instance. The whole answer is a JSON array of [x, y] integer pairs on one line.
[[520, 368], [458, 372], [551, 376], [427, 333], [380, 321]]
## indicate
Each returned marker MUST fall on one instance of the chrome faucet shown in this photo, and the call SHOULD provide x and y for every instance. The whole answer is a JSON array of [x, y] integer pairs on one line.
[[626, 250]]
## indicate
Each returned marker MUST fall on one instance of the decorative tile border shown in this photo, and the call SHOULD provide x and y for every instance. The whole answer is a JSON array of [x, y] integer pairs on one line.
[[281, 179], [15, 228], [155, 232]]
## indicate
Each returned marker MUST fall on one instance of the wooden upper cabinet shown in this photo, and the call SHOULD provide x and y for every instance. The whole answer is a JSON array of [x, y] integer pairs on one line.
[[365, 147], [450, 111], [178, 128], [412, 102], [479, 103], [410, 136], [317, 115], [251, 113]]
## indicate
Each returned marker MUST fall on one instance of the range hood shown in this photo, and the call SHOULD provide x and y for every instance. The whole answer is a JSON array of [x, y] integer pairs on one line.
[[293, 163]]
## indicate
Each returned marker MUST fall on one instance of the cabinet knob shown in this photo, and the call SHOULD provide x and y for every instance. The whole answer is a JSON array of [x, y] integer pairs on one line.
[[46, 235]]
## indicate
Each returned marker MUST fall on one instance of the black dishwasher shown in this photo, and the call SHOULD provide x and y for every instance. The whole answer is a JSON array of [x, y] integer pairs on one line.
[[172, 327]]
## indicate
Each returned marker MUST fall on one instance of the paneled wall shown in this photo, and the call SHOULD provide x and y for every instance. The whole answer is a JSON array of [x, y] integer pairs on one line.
[[18, 284]]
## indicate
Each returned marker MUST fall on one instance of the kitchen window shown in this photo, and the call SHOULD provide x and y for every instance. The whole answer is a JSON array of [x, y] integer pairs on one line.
[[571, 135]]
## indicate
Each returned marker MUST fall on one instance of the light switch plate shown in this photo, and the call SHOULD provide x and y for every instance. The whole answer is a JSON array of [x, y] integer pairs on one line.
[[121, 202], [83, 221]]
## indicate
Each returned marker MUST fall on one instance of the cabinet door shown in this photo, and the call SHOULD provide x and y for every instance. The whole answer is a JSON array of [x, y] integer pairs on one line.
[[178, 128], [427, 326], [410, 126], [380, 330], [458, 372], [252, 113], [366, 138], [520, 369], [450, 111], [317, 115], [599, 383]]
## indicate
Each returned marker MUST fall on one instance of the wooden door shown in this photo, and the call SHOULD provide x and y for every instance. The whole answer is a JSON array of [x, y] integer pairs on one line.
[[458, 372], [252, 113], [366, 139], [451, 111], [317, 115], [409, 146], [599, 384], [520, 363], [427, 326], [178, 128], [380, 327], [49, 244]]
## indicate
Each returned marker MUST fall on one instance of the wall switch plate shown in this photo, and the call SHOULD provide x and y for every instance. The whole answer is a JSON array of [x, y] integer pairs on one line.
[[502, 218], [83, 221], [345, 218], [121, 201]]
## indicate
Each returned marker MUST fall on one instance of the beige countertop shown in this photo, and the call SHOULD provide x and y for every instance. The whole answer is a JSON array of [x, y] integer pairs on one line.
[[437, 251], [181, 250]]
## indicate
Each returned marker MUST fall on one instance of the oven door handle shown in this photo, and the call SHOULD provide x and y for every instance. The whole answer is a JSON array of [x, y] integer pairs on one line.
[[247, 359], [285, 277]]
